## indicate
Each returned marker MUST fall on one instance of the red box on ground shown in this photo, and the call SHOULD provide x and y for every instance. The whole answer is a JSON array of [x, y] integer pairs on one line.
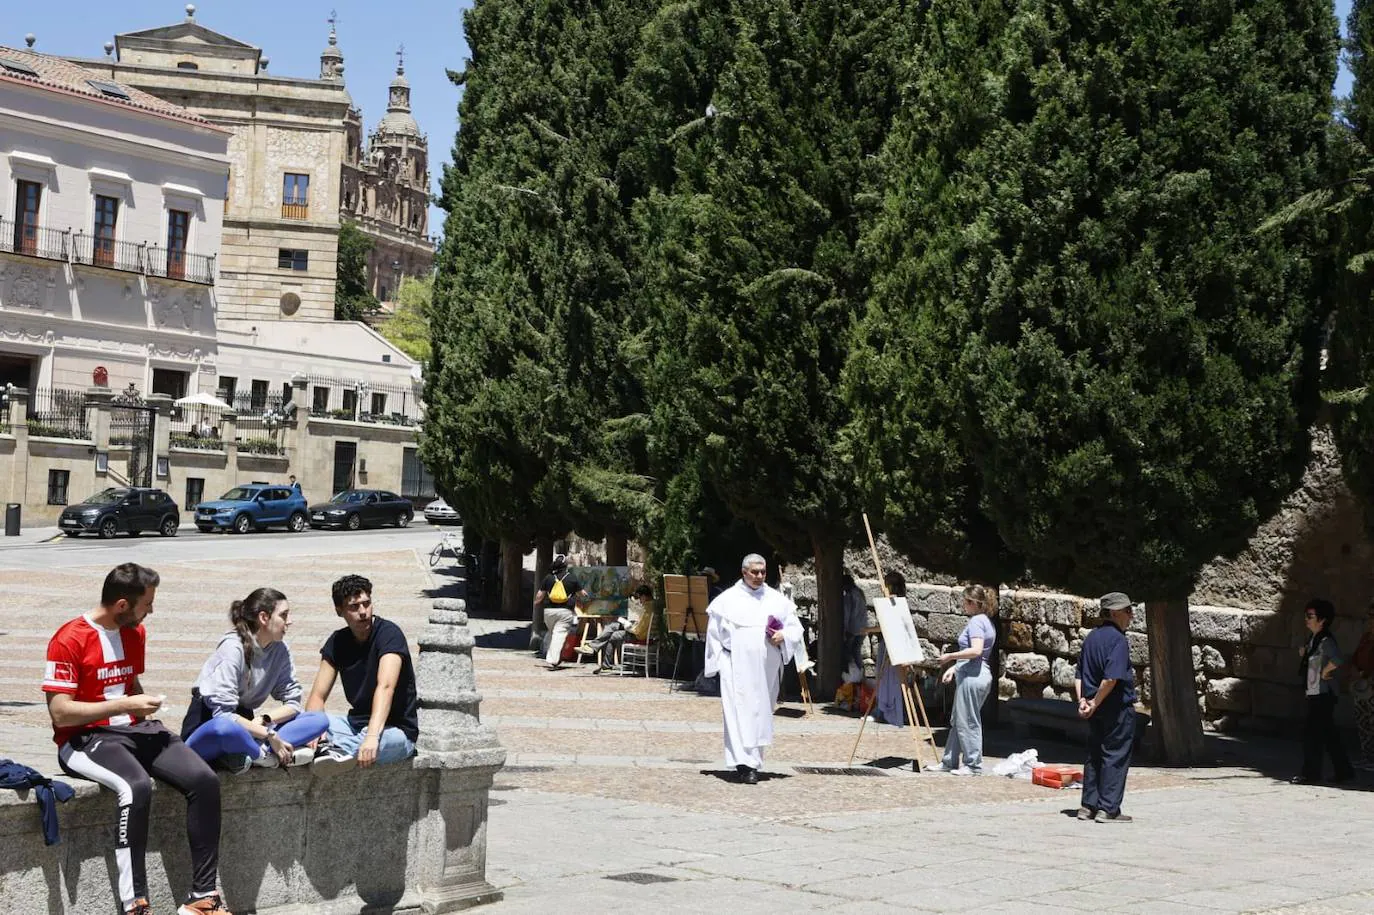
[[1057, 775]]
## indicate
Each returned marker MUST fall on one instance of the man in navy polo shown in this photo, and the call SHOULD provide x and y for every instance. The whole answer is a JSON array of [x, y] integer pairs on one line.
[[1105, 687]]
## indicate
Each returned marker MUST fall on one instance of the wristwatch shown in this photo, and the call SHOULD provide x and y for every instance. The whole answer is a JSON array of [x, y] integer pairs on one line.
[[267, 722]]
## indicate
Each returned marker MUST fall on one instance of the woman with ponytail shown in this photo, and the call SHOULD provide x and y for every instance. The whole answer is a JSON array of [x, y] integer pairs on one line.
[[972, 678], [251, 664]]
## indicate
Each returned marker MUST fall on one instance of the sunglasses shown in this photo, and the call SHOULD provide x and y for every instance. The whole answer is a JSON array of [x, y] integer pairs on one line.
[[1310, 616]]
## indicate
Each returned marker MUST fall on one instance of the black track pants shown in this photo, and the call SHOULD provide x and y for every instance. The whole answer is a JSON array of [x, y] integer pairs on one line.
[[123, 759]]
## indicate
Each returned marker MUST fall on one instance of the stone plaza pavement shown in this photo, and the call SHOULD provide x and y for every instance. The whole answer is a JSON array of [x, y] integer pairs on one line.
[[613, 797]]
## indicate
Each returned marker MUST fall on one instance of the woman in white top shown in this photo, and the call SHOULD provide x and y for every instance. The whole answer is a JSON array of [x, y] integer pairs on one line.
[[250, 665]]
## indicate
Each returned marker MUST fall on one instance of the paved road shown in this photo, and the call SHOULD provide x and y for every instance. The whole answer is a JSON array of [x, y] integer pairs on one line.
[[46, 549]]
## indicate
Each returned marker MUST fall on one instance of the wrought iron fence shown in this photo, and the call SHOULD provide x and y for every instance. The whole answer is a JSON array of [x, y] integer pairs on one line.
[[34, 241], [400, 406], [179, 264], [107, 252], [58, 413], [195, 426]]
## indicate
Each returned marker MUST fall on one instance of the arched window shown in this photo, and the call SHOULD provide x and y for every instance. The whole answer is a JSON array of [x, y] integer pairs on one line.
[[187, 65]]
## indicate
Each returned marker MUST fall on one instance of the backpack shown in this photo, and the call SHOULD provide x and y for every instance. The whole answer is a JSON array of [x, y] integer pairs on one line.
[[558, 594]]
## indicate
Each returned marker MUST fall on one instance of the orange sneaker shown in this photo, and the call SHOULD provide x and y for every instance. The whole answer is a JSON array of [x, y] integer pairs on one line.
[[204, 905]]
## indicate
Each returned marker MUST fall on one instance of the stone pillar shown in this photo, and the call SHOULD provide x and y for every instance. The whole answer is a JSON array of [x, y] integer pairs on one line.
[[228, 434], [100, 400], [463, 755], [19, 428], [162, 434], [299, 431]]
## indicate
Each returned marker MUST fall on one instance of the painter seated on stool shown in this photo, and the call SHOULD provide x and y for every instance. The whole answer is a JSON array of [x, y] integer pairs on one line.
[[634, 628]]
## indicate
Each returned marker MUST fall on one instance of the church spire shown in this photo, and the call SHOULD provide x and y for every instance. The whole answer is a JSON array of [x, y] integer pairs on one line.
[[331, 58]]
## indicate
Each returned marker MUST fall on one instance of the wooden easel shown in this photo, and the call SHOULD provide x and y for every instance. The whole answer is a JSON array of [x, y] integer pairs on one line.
[[685, 595], [911, 698]]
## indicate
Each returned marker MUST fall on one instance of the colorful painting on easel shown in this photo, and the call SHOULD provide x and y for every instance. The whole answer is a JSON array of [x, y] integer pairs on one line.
[[609, 588]]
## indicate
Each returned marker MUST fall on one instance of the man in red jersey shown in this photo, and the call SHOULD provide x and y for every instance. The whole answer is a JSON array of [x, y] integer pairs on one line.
[[100, 719]]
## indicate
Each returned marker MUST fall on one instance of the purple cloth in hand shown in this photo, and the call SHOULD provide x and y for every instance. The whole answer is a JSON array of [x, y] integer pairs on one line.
[[774, 625]]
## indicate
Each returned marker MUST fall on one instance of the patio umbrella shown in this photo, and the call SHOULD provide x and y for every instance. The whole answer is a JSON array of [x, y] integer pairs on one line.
[[202, 399]]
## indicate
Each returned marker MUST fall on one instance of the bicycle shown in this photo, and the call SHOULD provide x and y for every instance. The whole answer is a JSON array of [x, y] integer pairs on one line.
[[449, 543]]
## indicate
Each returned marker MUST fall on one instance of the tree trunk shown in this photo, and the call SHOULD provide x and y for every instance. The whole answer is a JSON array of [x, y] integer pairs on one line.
[[830, 660], [543, 559], [617, 550], [512, 577], [992, 710], [491, 575], [1175, 720]]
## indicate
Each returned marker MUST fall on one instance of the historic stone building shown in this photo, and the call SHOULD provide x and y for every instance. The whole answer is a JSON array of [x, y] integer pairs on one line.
[[385, 190], [281, 219]]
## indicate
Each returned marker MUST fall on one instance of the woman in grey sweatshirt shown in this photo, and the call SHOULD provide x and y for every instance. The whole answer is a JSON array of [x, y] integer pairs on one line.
[[250, 665]]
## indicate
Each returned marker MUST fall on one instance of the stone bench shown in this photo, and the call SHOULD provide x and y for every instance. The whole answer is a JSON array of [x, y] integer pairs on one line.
[[408, 837], [1058, 715]]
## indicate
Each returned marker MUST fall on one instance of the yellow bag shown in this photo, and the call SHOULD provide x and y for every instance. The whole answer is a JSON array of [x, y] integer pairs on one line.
[[558, 594]]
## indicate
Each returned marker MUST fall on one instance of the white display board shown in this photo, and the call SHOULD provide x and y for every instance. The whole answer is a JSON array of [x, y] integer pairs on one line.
[[899, 631]]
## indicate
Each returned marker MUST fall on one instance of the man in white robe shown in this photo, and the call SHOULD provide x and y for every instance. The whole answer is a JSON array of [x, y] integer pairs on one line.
[[749, 660]]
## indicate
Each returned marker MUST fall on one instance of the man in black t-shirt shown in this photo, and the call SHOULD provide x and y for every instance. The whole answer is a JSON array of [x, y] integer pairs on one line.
[[372, 658], [560, 594]]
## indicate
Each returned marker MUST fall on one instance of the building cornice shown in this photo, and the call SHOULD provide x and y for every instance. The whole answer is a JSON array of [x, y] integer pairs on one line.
[[63, 130]]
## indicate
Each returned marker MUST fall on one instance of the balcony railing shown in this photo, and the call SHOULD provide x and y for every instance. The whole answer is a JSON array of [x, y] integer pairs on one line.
[[34, 241], [295, 208], [178, 264], [107, 252], [125, 256]]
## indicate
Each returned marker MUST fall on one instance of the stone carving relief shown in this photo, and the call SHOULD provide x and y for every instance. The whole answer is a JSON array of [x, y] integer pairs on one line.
[[294, 149], [175, 310], [28, 286]]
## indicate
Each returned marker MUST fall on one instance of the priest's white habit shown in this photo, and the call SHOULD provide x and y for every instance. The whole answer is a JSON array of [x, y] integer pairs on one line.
[[749, 664]]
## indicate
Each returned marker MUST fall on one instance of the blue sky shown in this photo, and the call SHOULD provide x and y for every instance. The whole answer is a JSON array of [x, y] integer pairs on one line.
[[292, 33]]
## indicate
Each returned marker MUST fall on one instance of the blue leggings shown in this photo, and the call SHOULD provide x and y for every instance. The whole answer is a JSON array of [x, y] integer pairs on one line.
[[224, 735]]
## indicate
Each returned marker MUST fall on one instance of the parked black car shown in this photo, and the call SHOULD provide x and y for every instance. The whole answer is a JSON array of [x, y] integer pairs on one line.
[[355, 508], [130, 510]]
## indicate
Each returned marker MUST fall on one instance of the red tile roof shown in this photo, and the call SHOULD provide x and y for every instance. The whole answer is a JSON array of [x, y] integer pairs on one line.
[[65, 76]]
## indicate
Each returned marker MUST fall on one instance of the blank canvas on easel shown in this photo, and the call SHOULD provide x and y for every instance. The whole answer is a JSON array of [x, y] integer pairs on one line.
[[899, 631], [681, 592]]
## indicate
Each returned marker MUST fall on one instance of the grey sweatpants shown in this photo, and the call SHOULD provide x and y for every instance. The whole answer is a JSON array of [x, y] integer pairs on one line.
[[972, 683]]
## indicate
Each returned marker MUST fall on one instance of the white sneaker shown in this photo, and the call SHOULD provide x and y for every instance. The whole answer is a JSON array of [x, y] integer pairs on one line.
[[268, 760], [332, 759], [302, 756], [938, 767], [965, 770]]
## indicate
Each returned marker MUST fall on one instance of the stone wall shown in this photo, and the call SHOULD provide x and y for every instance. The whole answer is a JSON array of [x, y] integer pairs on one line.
[[404, 838], [1245, 611]]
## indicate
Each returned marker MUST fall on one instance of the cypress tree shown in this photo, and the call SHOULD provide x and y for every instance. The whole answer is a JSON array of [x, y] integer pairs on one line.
[[900, 380], [750, 264], [1137, 365], [495, 390], [1350, 218]]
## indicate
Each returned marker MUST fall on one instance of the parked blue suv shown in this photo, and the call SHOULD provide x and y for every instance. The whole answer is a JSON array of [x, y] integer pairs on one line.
[[256, 507]]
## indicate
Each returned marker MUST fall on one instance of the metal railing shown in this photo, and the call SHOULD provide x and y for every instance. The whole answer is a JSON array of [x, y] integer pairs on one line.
[[34, 241], [180, 264], [58, 413], [125, 256], [295, 208], [107, 252], [403, 407]]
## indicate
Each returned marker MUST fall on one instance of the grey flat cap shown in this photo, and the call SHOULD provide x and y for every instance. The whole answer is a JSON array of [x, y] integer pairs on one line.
[[1114, 600]]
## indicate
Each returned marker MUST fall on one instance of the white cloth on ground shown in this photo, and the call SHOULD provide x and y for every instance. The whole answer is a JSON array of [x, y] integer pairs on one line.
[[750, 666]]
